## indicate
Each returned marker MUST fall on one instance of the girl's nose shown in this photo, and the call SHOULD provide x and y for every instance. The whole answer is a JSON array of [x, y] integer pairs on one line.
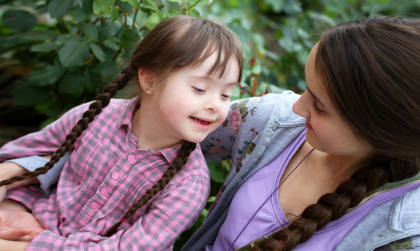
[[213, 104]]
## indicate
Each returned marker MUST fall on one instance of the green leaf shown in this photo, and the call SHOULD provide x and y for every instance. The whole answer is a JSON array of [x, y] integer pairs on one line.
[[107, 10], [45, 47], [173, 13], [58, 8], [87, 6], [276, 5], [152, 21], [114, 14], [78, 13], [216, 173], [99, 5], [106, 69], [98, 52], [90, 80], [28, 95], [72, 84], [201, 3], [73, 53], [90, 31], [18, 20], [129, 38], [50, 108], [134, 3], [109, 29], [47, 75], [256, 69], [194, 13], [46, 122], [38, 35], [111, 44]]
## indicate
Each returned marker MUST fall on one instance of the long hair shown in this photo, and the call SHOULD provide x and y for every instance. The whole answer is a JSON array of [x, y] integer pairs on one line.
[[371, 72], [175, 43]]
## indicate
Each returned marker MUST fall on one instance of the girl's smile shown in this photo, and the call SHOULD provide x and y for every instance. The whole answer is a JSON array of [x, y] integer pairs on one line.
[[189, 105]]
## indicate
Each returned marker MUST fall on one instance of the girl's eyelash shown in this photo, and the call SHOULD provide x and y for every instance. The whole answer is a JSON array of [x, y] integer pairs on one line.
[[198, 90], [201, 91], [317, 108]]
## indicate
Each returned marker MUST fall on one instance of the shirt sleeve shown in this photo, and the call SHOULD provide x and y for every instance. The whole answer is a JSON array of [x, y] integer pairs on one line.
[[246, 119], [172, 211], [48, 179]]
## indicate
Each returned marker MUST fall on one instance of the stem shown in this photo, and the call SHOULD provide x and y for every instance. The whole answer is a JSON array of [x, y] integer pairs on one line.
[[192, 6], [125, 16], [135, 15]]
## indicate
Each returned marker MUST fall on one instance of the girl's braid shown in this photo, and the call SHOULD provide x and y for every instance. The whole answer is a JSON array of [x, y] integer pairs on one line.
[[94, 109], [176, 166], [333, 206]]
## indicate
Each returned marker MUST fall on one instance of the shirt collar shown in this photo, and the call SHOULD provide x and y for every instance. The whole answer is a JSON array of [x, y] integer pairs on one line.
[[127, 109], [171, 153]]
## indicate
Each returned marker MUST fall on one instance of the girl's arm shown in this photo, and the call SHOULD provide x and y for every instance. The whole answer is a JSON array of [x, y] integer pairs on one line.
[[172, 211]]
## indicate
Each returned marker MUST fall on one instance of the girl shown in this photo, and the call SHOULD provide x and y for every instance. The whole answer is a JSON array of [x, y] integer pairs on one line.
[[136, 178], [334, 169]]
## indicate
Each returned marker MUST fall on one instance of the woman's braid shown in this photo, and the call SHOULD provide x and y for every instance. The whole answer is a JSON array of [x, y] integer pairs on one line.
[[94, 109], [176, 166], [333, 206]]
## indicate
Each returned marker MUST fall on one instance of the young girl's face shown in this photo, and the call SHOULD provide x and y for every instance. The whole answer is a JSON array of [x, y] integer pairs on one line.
[[326, 131], [191, 103]]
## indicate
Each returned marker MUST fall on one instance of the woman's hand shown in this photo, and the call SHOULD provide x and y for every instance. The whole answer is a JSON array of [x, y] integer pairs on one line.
[[6, 245], [18, 225]]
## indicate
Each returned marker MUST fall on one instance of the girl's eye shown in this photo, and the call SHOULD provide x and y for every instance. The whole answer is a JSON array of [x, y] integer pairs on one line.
[[317, 108], [226, 96], [199, 90]]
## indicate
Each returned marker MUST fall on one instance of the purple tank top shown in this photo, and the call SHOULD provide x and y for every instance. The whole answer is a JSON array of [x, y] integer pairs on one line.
[[270, 217]]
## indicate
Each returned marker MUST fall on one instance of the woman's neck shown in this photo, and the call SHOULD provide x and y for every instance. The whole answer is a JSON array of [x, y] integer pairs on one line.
[[146, 128], [333, 168]]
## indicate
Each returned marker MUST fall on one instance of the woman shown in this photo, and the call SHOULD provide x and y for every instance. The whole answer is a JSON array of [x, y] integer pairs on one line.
[[339, 162]]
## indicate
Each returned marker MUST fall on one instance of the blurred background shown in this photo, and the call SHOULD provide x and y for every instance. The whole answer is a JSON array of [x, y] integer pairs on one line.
[[56, 54]]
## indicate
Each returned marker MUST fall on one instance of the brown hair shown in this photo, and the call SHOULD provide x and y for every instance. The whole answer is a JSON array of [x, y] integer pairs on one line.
[[175, 43], [371, 73]]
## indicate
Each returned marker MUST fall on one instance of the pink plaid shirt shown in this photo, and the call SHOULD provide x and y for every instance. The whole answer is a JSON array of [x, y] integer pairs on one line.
[[105, 175]]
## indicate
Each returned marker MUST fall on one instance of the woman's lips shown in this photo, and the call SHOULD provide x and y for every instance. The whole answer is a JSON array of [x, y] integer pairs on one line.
[[309, 126]]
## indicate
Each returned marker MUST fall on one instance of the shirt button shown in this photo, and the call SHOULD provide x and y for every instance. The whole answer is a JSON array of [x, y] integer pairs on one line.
[[94, 205], [115, 175], [104, 191], [131, 158]]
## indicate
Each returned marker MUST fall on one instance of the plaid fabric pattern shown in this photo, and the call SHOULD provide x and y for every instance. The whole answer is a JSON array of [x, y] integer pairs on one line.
[[105, 175]]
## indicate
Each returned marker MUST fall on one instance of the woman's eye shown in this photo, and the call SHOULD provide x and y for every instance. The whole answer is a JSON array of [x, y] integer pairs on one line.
[[198, 90]]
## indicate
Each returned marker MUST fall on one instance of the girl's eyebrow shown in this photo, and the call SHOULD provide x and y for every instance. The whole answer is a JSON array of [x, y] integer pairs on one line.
[[315, 97], [208, 77]]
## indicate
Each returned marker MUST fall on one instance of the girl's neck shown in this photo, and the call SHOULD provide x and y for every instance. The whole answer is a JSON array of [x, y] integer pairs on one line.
[[146, 128]]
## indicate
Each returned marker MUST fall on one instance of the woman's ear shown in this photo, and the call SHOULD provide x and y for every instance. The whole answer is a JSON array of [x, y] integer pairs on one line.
[[146, 80]]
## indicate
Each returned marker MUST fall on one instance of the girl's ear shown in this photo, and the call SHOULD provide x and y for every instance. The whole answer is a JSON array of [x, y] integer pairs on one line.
[[146, 80]]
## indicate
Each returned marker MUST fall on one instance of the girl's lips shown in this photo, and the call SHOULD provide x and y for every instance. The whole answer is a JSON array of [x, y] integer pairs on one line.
[[309, 126]]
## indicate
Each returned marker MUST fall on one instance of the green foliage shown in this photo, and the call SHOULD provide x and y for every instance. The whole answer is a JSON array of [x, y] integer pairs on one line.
[[57, 54]]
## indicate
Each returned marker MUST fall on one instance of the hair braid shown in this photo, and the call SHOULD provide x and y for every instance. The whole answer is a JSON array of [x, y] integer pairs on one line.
[[176, 166], [332, 206], [94, 109]]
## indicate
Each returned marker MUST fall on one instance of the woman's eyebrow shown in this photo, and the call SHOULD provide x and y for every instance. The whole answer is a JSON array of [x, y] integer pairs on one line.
[[315, 97]]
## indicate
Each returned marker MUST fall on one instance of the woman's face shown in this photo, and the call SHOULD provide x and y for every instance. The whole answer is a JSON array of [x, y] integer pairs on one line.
[[327, 132]]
